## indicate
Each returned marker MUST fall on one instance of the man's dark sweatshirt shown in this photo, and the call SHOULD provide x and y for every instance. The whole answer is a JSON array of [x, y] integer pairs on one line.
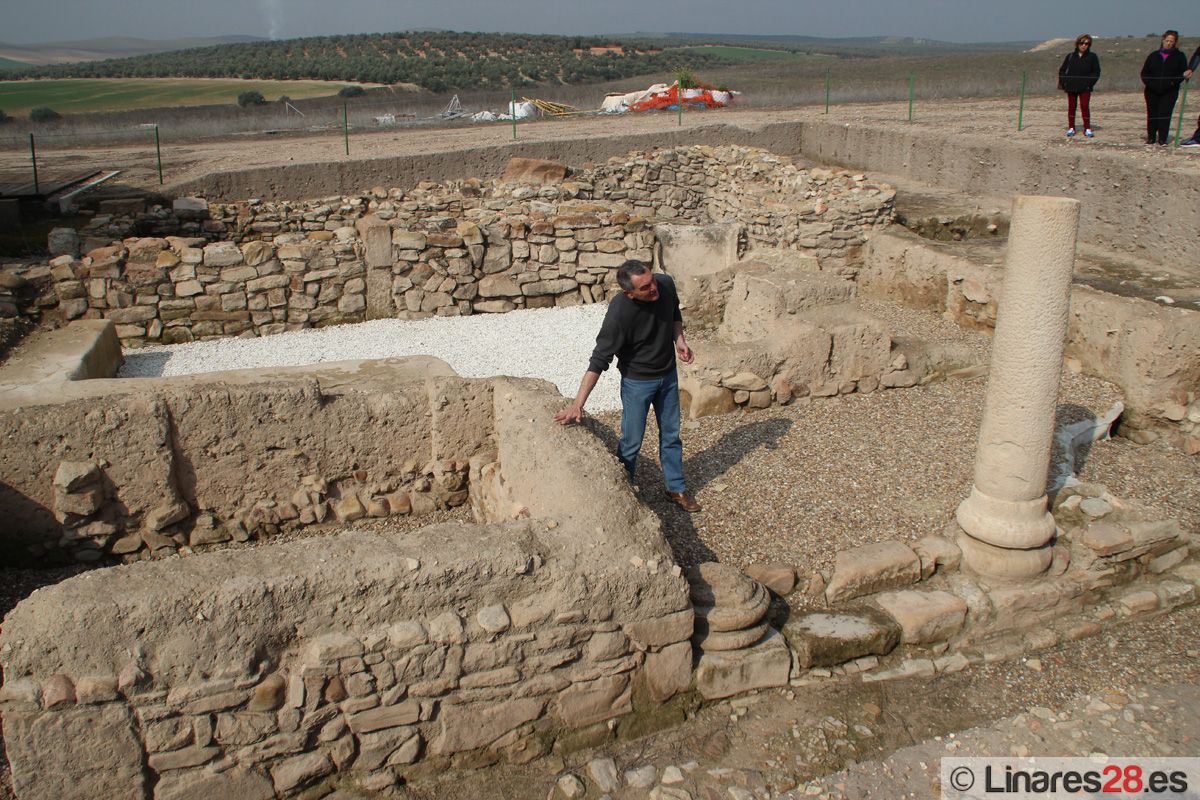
[[641, 335]]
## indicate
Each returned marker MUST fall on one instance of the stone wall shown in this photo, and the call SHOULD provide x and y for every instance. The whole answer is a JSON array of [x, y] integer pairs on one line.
[[256, 268], [133, 472], [257, 672], [1151, 351]]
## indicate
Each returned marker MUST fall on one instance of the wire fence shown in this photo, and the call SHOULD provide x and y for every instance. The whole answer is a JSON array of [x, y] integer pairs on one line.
[[46, 148]]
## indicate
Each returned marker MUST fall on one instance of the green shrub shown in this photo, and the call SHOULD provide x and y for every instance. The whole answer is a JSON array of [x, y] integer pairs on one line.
[[43, 114], [352, 91], [251, 98], [685, 77], [4, 117]]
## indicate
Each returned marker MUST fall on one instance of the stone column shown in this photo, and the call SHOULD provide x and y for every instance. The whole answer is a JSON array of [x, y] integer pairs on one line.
[[1007, 525]]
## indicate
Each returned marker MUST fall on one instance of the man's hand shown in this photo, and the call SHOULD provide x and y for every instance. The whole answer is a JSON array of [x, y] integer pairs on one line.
[[683, 351], [570, 415]]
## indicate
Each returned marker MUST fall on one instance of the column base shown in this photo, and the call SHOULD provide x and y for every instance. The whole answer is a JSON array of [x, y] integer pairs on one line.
[[1007, 524], [1002, 562]]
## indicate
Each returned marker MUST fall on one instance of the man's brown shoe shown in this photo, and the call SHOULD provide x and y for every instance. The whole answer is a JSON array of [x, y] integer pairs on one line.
[[685, 501]]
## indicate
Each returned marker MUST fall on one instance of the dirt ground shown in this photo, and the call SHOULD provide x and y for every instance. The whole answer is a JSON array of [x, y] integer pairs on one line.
[[1118, 120], [788, 484]]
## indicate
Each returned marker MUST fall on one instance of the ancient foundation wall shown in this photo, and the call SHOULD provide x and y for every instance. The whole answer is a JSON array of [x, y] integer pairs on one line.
[[1151, 351], [253, 672], [1133, 217], [463, 248]]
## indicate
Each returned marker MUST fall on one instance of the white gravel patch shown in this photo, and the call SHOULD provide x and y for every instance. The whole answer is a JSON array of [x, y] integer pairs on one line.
[[549, 343]]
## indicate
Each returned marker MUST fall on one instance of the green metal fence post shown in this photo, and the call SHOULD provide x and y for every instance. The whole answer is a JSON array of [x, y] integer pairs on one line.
[[1182, 106], [33, 158], [827, 91], [910, 96], [346, 125], [1021, 109], [512, 109], [158, 154]]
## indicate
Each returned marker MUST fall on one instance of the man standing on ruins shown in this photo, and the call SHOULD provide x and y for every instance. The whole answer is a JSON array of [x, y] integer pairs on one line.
[[644, 330]]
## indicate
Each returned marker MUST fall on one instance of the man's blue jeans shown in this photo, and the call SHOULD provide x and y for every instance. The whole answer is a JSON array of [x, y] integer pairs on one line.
[[636, 399]]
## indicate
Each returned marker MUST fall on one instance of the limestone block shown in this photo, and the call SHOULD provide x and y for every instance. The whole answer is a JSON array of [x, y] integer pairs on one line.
[[299, 771], [377, 240], [767, 664], [668, 671], [534, 170], [662, 631], [79, 768], [705, 399], [222, 254], [190, 207], [493, 619], [395, 745], [381, 717], [924, 617], [408, 240], [594, 701], [470, 726], [256, 253], [603, 773], [239, 782], [167, 514], [73, 475], [779, 578], [871, 568], [823, 639], [936, 552]]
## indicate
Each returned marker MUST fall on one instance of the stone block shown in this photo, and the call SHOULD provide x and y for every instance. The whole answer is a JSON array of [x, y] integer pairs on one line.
[[299, 771], [594, 701], [470, 726], [823, 639], [705, 399], [381, 717], [765, 665], [924, 617], [872, 568], [669, 671], [222, 254], [79, 768], [662, 631], [1107, 538], [534, 170], [239, 782], [779, 578], [936, 553]]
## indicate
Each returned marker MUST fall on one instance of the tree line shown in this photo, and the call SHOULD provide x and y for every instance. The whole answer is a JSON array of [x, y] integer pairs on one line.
[[437, 61]]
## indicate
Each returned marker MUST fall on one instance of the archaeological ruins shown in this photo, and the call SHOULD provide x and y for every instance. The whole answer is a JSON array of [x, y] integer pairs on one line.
[[183, 666]]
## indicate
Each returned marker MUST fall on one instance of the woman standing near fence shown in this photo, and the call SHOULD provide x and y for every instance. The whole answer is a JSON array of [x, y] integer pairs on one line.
[[1077, 77], [1161, 75]]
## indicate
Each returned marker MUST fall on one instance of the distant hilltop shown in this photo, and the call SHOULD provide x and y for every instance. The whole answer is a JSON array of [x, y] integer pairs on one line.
[[46, 53]]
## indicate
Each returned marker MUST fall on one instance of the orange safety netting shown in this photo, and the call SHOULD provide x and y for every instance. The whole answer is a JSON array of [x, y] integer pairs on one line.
[[669, 99]]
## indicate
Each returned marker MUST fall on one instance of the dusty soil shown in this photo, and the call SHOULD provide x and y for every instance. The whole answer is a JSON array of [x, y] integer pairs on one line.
[[1118, 119]]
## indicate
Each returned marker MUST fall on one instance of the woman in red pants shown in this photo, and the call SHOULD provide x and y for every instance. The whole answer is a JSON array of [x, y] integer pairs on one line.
[[1077, 77]]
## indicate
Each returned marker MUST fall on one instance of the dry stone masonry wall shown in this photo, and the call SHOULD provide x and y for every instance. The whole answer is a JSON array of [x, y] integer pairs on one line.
[[255, 268]]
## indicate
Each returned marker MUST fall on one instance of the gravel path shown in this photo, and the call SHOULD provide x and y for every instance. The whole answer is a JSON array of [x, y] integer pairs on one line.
[[549, 343]]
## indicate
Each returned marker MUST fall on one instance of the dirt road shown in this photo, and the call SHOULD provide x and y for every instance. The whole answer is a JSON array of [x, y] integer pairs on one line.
[[1118, 120]]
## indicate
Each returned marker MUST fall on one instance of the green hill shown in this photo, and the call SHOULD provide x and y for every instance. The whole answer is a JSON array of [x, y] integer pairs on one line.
[[435, 60]]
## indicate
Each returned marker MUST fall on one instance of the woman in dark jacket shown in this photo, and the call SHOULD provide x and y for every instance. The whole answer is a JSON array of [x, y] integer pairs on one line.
[[1077, 77], [1161, 75]]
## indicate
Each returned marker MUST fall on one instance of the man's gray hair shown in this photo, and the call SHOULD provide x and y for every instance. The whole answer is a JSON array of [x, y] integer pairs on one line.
[[626, 271]]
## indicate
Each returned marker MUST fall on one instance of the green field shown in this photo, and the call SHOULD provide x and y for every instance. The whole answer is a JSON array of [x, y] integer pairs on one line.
[[740, 55], [84, 95]]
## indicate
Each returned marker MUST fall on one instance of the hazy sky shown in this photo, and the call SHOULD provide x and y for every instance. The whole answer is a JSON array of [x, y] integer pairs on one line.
[[25, 21]]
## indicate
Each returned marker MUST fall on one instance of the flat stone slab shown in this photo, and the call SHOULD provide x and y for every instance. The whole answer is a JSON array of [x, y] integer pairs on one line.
[[763, 666], [924, 617], [715, 585], [872, 568], [825, 639]]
